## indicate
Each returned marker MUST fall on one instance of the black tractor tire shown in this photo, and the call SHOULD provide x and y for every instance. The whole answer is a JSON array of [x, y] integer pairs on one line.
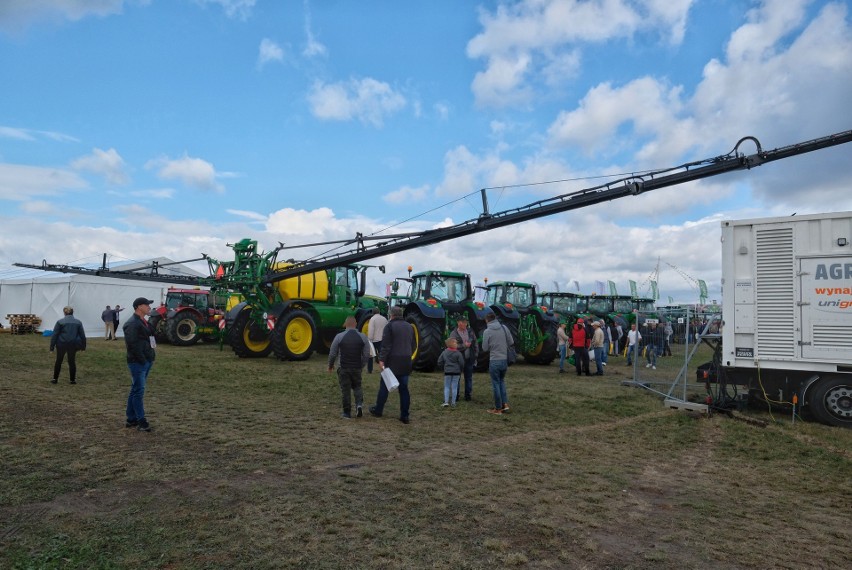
[[546, 351], [247, 339], [294, 335], [324, 340], [512, 325], [482, 356], [430, 341], [159, 325], [831, 401], [182, 330]]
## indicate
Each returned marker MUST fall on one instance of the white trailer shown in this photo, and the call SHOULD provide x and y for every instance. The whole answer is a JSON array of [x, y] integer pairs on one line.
[[787, 311]]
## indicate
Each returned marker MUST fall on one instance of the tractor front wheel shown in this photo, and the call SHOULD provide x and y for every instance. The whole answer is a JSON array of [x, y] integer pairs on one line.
[[293, 336], [545, 351], [182, 330], [430, 341], [158, 323], [247, 338]]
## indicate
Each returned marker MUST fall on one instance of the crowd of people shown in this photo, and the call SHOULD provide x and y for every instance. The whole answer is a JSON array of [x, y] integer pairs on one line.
[[391, 344]]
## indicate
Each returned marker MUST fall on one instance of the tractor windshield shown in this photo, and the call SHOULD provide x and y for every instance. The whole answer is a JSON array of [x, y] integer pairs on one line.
[[565, 304], [600, 305], [451, 289], [645, 305], [623, 306]]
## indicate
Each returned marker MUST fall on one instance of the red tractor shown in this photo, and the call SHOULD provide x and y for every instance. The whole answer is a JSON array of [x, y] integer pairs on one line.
[[187, 316]]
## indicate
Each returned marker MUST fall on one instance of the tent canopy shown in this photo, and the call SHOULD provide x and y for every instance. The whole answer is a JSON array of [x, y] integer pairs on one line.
[[45, 294]]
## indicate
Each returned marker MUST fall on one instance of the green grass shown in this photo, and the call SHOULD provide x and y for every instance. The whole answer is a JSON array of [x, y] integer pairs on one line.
[[250, 466]]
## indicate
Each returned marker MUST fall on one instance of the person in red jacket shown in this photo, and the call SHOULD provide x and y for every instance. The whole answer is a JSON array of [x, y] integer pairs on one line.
[[580, 344]]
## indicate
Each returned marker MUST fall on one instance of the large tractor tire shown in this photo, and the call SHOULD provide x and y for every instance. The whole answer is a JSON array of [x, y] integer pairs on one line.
[[158, 323], [831, 401], [546, 351], [430, 342], [247, 338], [512, 325], [294, 335], [182, 330]]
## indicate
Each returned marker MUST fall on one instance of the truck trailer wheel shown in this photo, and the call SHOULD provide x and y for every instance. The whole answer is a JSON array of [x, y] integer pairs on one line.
[[831, 401], [293, 336], [182, 330], [247, 338], [429, 339]]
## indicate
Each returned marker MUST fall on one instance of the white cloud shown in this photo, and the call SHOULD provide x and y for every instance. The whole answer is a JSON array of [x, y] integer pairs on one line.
[[194, 172], [300, 222], [531, 41], [38, 207], [237, 9], [154, 193], [442, 110], [20, 182], [313, 48], [248, 214], [17, 15], [269, 51], [407, 195], [33, 134], [107, 163], [367, 100]]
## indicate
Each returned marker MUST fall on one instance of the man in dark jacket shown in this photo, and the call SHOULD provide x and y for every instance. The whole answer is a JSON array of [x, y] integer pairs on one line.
[[68, 337], [398, 345], [140, 343], [107, 317], [354, 349]]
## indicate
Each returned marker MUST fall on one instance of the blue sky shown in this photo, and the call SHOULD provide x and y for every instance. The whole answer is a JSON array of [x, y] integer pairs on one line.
[[146, 128]]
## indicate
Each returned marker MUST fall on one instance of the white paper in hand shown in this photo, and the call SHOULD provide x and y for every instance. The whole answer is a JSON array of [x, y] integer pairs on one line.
[[391, 383]]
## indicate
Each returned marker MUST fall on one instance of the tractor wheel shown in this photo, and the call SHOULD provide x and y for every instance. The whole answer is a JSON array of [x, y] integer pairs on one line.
[[293, 336], [512, 325], [430, 342], [324, 340], [831, 401], [159, 325], [365, 321], [247, 338], [545, 352], [482, 357], [182, 330]]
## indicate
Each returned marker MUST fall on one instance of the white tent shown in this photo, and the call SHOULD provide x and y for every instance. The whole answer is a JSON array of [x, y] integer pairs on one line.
[[44, 294]]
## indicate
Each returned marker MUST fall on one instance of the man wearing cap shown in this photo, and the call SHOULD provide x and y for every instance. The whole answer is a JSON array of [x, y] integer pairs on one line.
[[580, 344], [140, 343], [597, 345]]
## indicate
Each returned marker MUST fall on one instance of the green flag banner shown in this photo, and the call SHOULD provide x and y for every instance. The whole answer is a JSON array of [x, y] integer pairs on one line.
[[671, 300], [655, 294], [702, 288], [612, 290], [633, 292]]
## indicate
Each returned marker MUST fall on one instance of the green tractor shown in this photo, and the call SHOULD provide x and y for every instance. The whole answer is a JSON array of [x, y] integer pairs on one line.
[[436, 300], [291, 317], [533, 326], [647, 310], [615, 308], [565, 306]]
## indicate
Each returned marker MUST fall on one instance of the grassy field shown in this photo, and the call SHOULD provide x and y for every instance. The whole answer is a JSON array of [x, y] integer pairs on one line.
[[251, 466]]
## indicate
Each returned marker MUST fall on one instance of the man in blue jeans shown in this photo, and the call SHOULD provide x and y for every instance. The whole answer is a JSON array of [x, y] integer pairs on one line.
[[398, 345], [140, 343], [496, 340]]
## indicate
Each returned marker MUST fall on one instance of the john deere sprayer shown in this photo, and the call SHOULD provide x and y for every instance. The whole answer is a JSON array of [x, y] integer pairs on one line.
[[533, 326], [290, 317], [436, 300]]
